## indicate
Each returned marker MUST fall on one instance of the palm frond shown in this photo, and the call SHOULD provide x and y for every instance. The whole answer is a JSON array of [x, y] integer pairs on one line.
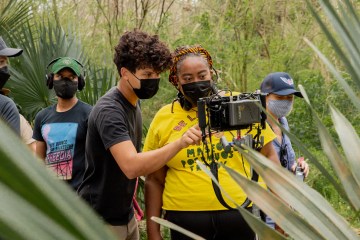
[[98, 82], [305, 200], [305, 151], [349, 183], [176, 228], [35, 205], [258, 226], [41, 43], [350, 142], [347, 29], [350, 92], [14, 14], [287, 218]]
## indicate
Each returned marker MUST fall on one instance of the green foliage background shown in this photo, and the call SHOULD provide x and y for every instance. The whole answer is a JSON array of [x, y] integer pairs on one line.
[[247, 40]]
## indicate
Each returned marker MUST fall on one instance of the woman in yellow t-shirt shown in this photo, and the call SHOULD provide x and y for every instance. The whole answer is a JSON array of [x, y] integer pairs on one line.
[[181, 188]]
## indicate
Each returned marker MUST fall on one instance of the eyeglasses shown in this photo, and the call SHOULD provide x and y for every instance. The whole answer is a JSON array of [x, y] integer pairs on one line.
[[283, 153]]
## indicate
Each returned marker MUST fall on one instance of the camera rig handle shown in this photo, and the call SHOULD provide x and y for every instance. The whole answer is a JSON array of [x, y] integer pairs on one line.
[[202, 117]]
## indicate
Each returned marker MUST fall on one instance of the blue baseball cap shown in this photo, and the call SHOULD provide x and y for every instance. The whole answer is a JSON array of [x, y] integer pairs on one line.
[[279, 83]]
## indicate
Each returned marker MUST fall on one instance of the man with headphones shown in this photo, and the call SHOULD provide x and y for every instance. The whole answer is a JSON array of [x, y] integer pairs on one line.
[[60, 130]]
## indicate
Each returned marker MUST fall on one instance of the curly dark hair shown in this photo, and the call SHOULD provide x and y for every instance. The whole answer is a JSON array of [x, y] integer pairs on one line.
[[138, 50]]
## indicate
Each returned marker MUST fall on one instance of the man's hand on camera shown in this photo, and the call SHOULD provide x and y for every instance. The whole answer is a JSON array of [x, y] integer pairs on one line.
[[191, 136]]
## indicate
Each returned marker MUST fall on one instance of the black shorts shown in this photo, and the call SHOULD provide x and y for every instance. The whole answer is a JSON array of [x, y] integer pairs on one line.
[[224, 225]]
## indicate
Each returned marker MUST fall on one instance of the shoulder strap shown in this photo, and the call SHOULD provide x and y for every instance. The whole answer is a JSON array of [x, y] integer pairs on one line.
[[214, 171]]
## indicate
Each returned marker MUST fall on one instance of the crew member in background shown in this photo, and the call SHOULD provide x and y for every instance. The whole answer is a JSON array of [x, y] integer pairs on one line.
[[60, 129], [8, 111], [26, 131], [280, 90]]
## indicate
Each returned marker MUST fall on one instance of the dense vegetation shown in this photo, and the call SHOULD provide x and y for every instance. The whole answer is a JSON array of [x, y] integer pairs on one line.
[[247, 40]]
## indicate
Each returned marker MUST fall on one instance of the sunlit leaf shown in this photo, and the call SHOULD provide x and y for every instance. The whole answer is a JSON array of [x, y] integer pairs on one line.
[[350, 142], [29, 185], [304, 150], [353, 97], [176, 228], [258, 226], [19, 214], [279, 211], [305, 200], [349, 63], [340, 167]]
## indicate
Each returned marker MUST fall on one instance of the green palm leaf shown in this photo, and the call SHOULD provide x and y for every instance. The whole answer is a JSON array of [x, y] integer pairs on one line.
[[306, 201], [176, 228], [352, 95], [349, 183], [41, 44], [295, 140], [287, 218], [34, 205], [350, 142], [258, 226], [348, 35], [98, 82], [14, 14]]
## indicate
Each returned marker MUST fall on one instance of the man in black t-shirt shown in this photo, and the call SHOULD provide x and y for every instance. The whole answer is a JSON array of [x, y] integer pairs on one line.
[[113, 145], [8, 111], [60, 129]]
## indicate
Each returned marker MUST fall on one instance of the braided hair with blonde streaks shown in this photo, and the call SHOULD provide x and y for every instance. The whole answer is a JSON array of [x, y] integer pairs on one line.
[[180, 53]]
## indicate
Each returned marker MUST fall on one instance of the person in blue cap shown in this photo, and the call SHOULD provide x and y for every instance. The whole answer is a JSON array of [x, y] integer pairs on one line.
[[280, 90], [60, 130], [8, 110]]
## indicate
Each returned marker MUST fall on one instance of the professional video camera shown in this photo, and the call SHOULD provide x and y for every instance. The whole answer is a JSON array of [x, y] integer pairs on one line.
[[231, 112], [235, 112]]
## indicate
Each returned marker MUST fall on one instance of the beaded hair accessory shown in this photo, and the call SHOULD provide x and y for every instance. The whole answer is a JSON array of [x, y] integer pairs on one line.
[[180, 53]]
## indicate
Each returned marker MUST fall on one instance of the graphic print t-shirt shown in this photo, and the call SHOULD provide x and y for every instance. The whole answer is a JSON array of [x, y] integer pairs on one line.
[[60, 140], [64, 134]]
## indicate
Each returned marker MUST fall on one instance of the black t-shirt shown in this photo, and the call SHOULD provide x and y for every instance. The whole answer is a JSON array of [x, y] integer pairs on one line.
[[9, 113], [64, 134], [105, 187]]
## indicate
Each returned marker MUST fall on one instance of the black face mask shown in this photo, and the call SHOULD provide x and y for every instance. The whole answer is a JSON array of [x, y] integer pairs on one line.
[[195, 90], [65, 88], [4, 76], [148, 87]]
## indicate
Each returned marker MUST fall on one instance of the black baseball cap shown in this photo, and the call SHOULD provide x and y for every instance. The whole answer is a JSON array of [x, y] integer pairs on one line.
[[279, 83], [8, 52]]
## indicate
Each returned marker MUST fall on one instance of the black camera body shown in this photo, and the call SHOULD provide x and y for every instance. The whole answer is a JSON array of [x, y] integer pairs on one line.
[[236, 112]]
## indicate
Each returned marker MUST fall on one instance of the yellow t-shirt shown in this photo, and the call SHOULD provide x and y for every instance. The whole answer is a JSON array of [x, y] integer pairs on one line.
[[187, 187]]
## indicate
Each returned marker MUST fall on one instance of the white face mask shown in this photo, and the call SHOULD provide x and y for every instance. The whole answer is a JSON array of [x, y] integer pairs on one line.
[[280, 108]]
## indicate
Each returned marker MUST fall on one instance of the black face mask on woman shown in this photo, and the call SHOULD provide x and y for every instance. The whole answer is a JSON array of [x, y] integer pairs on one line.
[[65, 88], [195, 90], [4, 76]]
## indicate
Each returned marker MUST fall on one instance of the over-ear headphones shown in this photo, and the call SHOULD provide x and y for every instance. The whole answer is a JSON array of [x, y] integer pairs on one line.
[[50, 77]]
